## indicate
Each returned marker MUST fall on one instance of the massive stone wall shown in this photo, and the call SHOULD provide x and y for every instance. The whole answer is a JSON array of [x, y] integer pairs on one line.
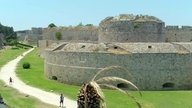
[[176, 34], [21, 35], [131, 29], [72, 33], [30, 36], [69, 34], [34, 35], [120, 31], [123, 28], [149, 71], [151, 66]]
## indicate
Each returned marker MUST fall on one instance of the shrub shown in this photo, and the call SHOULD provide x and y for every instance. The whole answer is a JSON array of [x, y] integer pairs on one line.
[[26, 65], [136, 25], [58, 35], [12, 42]]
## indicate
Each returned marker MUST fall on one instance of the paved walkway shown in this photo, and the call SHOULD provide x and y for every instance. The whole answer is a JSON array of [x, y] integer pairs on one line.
[[8, 71]]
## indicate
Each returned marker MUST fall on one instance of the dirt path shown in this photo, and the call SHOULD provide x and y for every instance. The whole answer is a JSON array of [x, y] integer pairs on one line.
[[8, 70]]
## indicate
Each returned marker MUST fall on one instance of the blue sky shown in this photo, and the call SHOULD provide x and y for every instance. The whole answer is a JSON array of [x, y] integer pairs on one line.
[[24, 14]]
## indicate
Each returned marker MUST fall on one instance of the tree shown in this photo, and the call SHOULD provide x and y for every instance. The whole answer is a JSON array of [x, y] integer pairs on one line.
[[52, 25], [80, 24], [8, 33], [58, 35], [91, 96]]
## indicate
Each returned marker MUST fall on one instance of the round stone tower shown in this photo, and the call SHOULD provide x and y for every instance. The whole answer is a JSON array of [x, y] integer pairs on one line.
[[131, 28]]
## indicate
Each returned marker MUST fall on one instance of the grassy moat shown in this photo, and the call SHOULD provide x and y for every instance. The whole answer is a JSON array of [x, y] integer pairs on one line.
[[150, 99]]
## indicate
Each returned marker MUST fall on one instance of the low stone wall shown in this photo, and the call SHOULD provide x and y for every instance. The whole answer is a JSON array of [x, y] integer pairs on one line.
[[149, 71]]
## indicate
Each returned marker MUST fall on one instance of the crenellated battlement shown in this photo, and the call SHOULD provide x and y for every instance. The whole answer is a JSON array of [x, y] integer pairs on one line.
[[174, 28], [187, 28]]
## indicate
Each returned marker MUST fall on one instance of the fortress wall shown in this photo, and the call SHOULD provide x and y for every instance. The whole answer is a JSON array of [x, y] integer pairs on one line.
[[34, 35], [42, 44], [33, 38], [30, 36], [175, 34], [148, 71], [21, 37], [172, 28], [119, 31], [48, 34], [68, 35], [186, 28], [127, 31], [22, 34]]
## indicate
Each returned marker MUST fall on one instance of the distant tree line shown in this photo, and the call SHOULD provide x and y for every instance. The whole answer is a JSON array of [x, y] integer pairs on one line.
[[8, 33]]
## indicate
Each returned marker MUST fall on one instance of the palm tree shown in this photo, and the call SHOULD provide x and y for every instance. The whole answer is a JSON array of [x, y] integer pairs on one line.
[[91, 96]]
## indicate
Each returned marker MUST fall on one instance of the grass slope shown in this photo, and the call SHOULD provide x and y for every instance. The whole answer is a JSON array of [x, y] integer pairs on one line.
[[35, 76], [8, 54], [18, 100], [150, 99], [11, 96]]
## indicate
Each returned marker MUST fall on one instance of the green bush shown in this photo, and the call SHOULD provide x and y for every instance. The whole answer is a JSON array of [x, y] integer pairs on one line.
[[136, 25], [58, 35], [12, 42], [26, 65]]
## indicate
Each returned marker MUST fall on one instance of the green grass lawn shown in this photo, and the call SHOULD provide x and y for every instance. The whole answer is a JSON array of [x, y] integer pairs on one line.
[[8, 54], [18, 100], [150, 99], [35, 76], [12, 97]]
